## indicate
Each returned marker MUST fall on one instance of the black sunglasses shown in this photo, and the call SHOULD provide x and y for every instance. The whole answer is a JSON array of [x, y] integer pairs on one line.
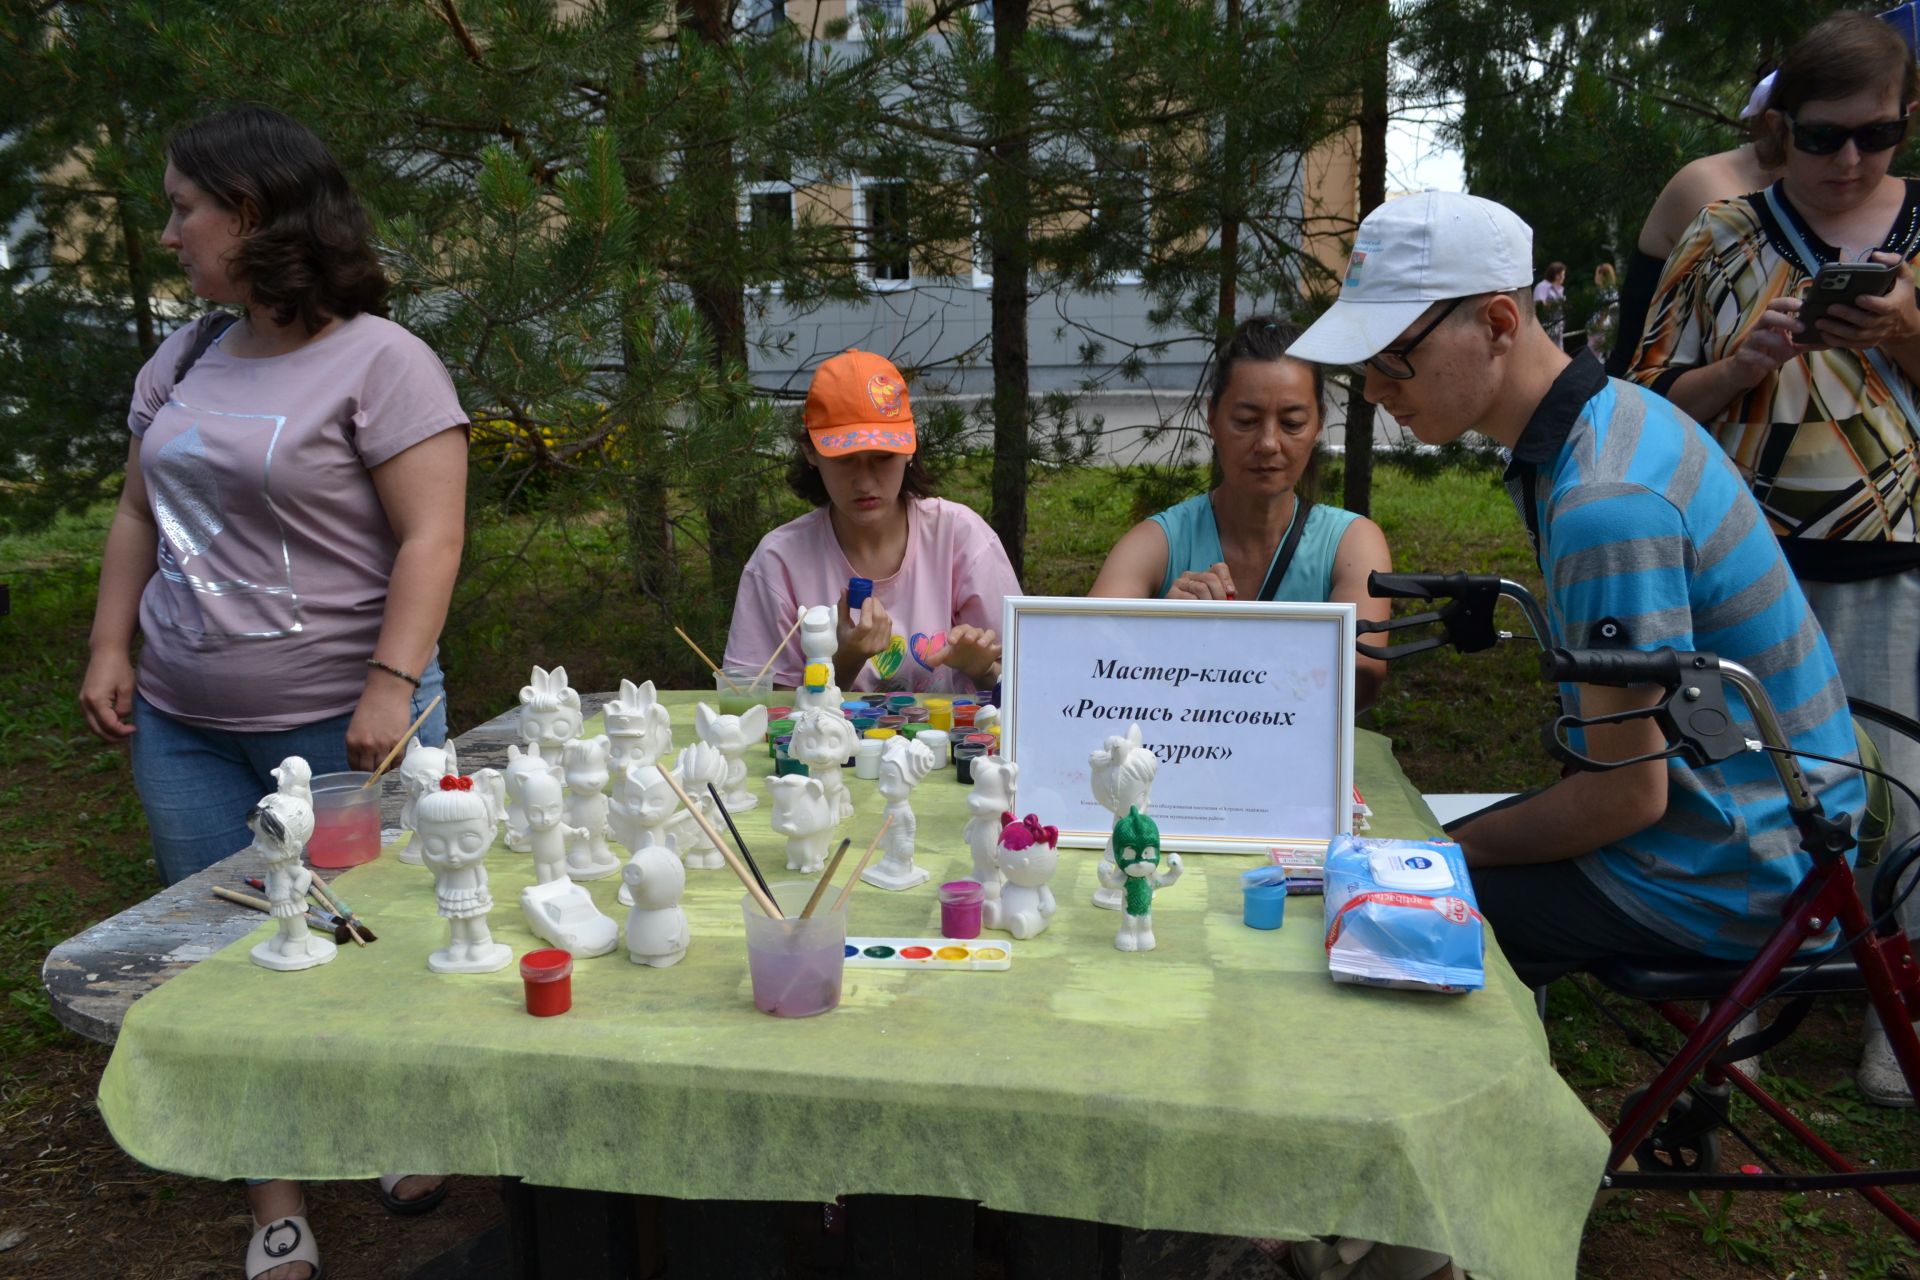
[[1393, 363], [1825, 139]]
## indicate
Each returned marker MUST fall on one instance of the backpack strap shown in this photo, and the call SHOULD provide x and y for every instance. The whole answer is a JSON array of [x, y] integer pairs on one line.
[[211, 327], [1283, 558]]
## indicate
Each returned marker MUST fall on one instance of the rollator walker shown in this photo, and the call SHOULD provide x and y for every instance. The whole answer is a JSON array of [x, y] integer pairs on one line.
[[1669, 1127]]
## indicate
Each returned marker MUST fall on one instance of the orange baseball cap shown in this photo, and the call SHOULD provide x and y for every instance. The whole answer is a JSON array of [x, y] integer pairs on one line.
[[858, 402]]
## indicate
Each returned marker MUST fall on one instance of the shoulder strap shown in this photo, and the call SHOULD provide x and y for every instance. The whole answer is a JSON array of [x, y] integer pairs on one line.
[[1283, 558], [211, 327]]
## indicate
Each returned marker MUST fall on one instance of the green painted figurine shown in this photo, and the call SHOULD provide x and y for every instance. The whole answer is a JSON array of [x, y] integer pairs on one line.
[[1136, 852]]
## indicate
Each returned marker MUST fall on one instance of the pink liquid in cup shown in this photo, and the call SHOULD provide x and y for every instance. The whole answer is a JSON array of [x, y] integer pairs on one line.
[[346, 821], [960, 902]]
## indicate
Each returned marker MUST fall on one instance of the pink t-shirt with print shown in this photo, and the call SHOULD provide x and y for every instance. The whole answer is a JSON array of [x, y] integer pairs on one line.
[[954, 572], [274, 550]]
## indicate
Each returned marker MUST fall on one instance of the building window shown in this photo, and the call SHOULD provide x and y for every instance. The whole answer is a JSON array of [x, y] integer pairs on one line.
[[982, 251], [880, 218], [888, 15], [770, 209]]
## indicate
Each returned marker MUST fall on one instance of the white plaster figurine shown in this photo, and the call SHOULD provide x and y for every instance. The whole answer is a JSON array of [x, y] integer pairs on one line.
[[421, 769], [991, 797], [492, 784], [802, 813], [731, 736], [1123, 773], [699, 765], [521, 766], [281, 825], [819, 641], [656, 926], [902, 766], [455, 833], [549, 709], [639, 728], [588, 857], [822, 740], [1028, 854], [294, 777], [554, 907], [641, 807]]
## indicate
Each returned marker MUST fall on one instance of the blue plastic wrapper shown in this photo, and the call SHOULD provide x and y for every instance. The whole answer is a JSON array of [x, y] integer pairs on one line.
[[1401, 913]]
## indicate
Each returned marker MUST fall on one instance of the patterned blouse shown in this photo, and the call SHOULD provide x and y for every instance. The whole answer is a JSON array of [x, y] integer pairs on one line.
[[1831, 456]]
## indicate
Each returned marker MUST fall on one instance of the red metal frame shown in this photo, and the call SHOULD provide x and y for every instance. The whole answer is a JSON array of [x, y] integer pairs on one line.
[[1892, 980]]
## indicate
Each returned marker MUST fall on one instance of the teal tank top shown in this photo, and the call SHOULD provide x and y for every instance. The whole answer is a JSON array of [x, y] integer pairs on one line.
[[1193, 544]]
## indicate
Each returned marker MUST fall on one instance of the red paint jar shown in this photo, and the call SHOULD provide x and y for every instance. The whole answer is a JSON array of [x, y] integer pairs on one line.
[[960, 902], [547, 975]]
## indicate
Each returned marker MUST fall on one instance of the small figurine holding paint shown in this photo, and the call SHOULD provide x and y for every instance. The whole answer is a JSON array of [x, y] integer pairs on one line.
[[903, 765], [1027, 853], [588, 857], [520, 767], [1122, 774], [421, 769], [549, 709], [1136, 850], [281, 826], [803, 814], [990, 798], [731, 736], [657, 931], [822, 740], [638, 727], [454, 834]]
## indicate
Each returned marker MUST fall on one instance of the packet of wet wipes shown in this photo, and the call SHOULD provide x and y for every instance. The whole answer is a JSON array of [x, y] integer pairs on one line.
[[1401, 913]]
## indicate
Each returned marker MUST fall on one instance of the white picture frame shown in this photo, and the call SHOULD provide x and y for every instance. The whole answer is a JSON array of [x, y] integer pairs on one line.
[[1248, 704]]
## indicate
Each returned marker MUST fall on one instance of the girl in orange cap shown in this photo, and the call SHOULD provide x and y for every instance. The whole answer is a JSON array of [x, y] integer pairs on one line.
[[937, 570]]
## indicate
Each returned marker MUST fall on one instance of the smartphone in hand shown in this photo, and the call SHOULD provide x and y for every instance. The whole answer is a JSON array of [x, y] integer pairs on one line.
[[1837, 284]]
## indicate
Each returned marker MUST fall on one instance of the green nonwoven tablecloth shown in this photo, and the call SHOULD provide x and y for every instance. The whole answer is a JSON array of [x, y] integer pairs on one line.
[[1221, 1083]]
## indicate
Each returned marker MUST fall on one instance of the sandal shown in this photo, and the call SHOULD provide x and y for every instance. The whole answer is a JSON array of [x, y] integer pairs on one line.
[[280, 1242], [409, 1208]]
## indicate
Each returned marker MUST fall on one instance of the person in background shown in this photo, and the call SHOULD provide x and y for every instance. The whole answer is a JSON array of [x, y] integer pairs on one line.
[[1606, 311], [1822, 424], [1258, 535], [289, 530], [1550, 301], [939, 574]]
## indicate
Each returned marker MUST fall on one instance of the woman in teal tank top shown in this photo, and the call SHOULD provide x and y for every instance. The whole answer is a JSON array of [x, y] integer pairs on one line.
[[1258, 536]]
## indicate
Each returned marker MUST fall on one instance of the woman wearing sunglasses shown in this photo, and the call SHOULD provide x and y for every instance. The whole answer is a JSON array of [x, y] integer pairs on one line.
[[1820, 418]]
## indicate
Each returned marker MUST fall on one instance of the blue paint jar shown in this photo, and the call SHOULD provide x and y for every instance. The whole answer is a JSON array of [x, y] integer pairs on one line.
[[1263, 897], [858, 589]]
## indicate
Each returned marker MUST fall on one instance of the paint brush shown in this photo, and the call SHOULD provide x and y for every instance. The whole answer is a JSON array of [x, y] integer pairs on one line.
[[711, 664], [334, 926], [826, 877], [401, 745], [319, 890], [846, 890], [767, 666], [741, 841], [337, 922], [767, 904]]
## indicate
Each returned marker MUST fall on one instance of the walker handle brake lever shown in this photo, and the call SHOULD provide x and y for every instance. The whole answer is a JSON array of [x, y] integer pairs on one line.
[[1467, 614], [1693, 716]]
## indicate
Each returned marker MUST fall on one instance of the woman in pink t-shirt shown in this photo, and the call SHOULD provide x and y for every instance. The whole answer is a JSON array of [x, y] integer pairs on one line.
[[289, 531], [939, 574]]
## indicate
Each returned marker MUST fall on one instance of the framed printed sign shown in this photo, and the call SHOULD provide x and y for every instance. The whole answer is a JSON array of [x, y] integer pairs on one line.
[[1248, 705]]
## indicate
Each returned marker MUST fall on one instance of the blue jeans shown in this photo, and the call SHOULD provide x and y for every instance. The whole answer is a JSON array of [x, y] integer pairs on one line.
[[198, 785]]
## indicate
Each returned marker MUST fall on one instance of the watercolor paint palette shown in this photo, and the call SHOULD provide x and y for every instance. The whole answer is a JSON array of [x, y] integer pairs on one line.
[[926, 954]]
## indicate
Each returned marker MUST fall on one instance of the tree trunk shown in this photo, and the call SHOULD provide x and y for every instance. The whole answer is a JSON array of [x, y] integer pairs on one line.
[[139, 281], [1008, 200], [1233, 189], [719, 299], [1358, 497]]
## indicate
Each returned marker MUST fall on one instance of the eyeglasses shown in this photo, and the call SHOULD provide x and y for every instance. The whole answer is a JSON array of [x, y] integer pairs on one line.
[[1825, 139], [1394, 363]]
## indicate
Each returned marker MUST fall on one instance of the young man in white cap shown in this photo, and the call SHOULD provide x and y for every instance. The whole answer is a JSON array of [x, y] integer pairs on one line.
[[1646, 537]]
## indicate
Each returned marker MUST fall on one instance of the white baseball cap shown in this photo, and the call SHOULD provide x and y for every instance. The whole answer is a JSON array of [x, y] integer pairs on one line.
[[1409, 254]]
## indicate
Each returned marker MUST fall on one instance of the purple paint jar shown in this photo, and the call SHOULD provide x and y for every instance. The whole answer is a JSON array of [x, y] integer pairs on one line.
[[960, 908]]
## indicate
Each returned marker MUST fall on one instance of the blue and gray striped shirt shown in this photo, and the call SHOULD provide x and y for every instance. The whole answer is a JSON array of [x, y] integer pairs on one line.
[[1639, 519]]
